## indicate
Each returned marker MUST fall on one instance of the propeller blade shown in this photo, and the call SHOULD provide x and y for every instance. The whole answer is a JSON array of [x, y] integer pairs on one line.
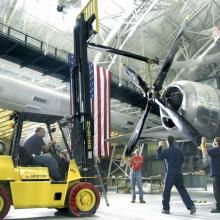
[[169, 58], [137, 80], [183, 126], [137, 131]]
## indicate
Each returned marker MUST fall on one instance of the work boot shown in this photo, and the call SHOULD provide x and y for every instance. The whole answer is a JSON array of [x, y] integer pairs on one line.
[[133, 201], [193, 210], [142, 201], [215, 210], [164, 211]]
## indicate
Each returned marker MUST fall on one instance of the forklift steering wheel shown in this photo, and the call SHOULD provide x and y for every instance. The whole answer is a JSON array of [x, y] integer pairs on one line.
[[55, 151]]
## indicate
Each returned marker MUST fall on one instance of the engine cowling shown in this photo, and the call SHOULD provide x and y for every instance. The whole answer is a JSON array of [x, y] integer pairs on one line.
[[198, 103]]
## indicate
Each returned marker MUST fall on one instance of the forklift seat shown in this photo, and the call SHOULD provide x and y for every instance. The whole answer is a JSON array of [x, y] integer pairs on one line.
[[24, 158]]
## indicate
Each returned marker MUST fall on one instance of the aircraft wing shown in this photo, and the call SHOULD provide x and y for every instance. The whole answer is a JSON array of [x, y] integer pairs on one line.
[[148, 134]]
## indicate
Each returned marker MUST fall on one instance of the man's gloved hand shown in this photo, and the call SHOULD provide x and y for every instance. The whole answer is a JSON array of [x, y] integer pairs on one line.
[[49, 145]]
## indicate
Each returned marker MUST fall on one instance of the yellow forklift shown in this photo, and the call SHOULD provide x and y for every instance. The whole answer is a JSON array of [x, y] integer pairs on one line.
[[26, 186]]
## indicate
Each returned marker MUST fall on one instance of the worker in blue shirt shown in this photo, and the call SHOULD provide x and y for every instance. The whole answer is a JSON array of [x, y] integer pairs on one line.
[[214, 154], [173, 160]]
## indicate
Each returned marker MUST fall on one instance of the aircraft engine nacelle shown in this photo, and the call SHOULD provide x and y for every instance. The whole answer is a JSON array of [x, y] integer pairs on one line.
[[198, 103]]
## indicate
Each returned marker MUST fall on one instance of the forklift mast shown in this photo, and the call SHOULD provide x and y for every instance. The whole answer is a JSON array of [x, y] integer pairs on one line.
[[81, 122]]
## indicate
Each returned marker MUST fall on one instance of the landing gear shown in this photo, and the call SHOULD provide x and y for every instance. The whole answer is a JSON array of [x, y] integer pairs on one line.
[[5, 201], [83, 199]]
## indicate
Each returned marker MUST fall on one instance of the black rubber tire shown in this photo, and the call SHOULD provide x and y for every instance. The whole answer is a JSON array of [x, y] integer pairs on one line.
[[62, 209], [5, 199]]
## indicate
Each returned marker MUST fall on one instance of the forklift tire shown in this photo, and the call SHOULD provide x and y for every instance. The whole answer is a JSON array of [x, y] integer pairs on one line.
[[83, 199], [62, 209], [5, 202]]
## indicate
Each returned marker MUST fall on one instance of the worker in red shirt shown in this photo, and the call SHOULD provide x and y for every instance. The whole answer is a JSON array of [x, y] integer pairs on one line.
[[136, 163]]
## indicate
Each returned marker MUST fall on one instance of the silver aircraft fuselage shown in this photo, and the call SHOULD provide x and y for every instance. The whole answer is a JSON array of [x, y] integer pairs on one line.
[[18, 95]]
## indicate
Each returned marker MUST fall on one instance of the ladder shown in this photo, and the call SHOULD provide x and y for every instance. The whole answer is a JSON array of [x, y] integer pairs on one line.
[[101, 183]]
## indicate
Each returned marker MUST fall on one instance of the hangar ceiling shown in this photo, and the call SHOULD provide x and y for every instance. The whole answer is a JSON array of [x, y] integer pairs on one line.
[[145, 27]]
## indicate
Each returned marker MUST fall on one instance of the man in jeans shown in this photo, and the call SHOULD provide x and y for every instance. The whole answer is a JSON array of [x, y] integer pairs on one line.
[[136, 163], [38, 150], [174, 160]]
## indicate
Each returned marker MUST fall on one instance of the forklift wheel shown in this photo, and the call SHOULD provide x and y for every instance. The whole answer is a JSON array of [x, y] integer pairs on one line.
[[5, 202], [83, 199], [62, 210]]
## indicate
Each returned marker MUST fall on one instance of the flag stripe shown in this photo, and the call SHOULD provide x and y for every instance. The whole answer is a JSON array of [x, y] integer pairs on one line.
[[102, 111], [105, 112], [95, 148], [108, 110], [99, 106]]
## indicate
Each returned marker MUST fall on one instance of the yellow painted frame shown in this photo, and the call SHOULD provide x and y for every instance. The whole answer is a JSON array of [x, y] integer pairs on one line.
[[91, 8], [31, 187]]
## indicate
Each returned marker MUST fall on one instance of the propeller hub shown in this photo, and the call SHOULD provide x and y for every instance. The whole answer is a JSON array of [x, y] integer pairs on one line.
[[173, 98], [150, 95]]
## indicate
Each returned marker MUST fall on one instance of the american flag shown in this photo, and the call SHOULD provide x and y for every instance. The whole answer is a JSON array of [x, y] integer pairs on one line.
[[100, 87]]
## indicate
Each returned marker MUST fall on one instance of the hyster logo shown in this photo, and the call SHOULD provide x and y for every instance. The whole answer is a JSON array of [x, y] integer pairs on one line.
[[38, 176], [89, 141]]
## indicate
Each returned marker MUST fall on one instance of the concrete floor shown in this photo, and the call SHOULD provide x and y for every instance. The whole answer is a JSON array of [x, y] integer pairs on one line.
[[121, 208]]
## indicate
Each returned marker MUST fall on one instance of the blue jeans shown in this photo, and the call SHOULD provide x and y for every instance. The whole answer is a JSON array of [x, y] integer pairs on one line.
[[46, 160], [136, 178], [216, 189], [175, 178]]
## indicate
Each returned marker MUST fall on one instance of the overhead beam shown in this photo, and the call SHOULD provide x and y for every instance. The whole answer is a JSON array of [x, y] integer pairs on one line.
[[134, 29]]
